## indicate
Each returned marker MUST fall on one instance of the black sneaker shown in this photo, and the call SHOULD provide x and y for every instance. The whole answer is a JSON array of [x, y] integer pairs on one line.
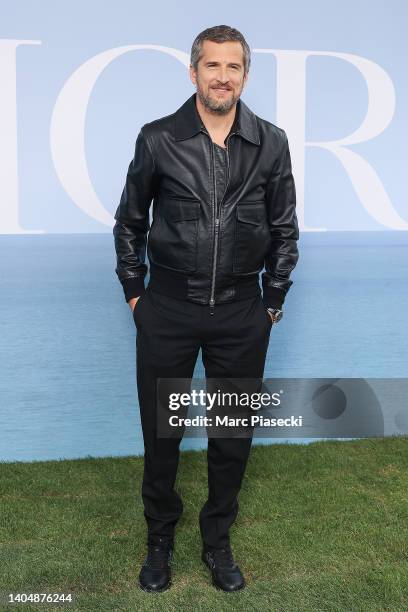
[[155, 575], [226, 574]]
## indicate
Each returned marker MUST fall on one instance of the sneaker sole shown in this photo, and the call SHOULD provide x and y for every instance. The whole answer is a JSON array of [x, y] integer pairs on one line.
[[166, 588]]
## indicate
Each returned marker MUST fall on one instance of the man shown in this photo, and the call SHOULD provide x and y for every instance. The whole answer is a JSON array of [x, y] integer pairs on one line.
[[223, 210]]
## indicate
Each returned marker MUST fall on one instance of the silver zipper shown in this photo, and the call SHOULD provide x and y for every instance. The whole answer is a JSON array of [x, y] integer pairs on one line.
[[212, 301], [217, 222]]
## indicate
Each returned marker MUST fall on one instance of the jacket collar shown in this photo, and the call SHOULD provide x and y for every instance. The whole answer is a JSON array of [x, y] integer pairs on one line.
[[188, 121]]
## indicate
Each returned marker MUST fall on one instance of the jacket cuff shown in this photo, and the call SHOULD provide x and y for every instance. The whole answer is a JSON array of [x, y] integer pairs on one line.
[[133, 287], [273, 297]]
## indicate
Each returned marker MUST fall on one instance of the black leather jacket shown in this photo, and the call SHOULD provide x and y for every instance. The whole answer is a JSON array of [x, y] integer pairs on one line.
[[200, 249]]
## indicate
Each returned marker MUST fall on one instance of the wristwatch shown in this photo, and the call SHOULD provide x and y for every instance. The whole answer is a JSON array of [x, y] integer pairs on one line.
[[276, 314]]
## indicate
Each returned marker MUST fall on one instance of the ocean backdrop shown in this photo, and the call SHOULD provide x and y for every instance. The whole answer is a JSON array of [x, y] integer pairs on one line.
[[67, 349]]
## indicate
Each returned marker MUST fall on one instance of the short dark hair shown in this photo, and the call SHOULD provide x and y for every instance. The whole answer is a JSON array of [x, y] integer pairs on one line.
[[219, 34]]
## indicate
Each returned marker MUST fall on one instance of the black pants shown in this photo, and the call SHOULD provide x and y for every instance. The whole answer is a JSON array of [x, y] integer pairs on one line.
[[234, 342]]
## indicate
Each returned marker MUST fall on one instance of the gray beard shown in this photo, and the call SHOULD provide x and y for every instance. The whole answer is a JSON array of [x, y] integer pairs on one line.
[[219, 108]]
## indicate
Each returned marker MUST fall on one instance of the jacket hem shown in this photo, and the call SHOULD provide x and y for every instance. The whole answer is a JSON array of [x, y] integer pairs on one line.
[[178, 285]]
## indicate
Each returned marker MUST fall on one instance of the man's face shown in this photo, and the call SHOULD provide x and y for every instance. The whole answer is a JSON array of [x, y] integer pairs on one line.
[[220, 75]]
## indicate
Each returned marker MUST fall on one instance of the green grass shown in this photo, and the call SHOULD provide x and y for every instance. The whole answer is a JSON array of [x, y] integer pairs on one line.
[[322, 527]]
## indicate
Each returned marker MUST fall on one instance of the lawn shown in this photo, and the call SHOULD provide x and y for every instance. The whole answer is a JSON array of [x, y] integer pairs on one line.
[[322, 527]]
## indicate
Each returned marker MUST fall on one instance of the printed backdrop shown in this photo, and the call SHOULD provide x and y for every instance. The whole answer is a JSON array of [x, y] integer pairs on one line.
[[77, 82]]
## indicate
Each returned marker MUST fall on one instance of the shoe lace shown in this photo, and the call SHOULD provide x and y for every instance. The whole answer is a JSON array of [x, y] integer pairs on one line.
[[158, 556], [223, 557]]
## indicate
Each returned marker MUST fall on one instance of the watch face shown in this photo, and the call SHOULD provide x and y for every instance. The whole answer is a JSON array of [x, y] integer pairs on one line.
[[276, 314]]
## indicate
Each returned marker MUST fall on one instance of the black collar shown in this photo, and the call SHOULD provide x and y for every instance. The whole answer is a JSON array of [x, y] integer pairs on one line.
[[188, 121]]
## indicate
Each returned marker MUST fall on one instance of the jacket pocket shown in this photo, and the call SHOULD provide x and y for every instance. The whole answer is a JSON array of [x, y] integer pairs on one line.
[[252, 237], [173, 236]]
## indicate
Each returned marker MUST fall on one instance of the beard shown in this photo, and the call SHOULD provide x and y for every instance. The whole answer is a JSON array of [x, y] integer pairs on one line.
[[216, 105]]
